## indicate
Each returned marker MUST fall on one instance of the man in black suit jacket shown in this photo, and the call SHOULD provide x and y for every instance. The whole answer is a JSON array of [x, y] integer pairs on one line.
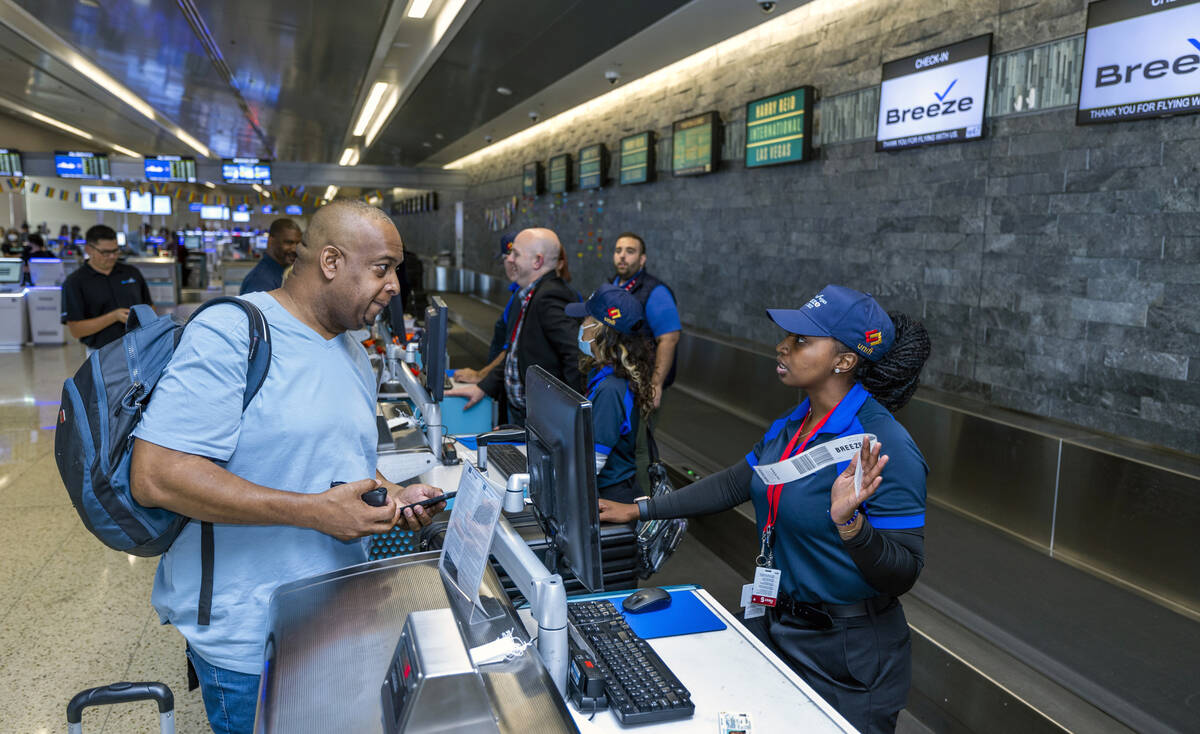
[[542, 333]]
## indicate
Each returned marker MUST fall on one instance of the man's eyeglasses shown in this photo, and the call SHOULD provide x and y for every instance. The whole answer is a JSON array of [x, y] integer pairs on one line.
[[107, 253]]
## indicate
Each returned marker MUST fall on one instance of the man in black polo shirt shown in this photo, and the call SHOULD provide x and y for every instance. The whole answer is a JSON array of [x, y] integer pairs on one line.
[[97, 297]]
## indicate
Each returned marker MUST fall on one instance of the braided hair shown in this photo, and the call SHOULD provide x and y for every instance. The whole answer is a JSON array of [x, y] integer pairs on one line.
[[893, 379], [631, 357]]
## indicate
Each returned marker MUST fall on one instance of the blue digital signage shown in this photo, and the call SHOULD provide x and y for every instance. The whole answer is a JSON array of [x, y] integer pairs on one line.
[[293, 210], [246, 171], [75, 164], [171, 168]]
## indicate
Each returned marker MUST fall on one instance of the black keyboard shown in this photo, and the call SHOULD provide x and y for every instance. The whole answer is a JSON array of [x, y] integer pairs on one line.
[[639, 686], [507, 458]]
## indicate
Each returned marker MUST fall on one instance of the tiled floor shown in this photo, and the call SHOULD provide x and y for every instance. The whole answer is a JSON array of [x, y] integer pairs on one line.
[[73, 614]]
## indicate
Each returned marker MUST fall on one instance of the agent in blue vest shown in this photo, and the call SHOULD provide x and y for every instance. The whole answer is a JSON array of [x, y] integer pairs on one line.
[[619, 362], [841, 539], [658, 303]]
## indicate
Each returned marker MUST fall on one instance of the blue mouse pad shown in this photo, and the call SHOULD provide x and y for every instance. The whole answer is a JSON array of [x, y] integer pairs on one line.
[[686, 615]]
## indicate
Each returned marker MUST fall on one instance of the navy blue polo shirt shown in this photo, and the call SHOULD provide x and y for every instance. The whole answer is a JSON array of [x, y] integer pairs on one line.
[[808, 550], [614, 425], [266, 276]]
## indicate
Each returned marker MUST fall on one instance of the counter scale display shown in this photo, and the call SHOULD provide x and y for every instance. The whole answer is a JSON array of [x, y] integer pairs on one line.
[[560, 173], [1141, 58], [592, 161], [637, 158], [779, 128], [934, 97], [694, 148], [10, 163]]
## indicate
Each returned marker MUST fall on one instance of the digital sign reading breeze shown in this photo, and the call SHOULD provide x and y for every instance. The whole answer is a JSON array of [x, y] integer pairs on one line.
[[1141, 58], [779, 128], [693, 150], [637, 158], [934, 97], [246, 171]]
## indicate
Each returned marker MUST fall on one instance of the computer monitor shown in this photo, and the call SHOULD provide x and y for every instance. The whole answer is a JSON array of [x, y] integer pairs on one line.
[[562, 473], [10, 270], [433, 348]]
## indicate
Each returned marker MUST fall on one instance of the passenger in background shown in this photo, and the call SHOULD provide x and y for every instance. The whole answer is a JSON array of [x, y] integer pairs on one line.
[[845, 546], [12, 243], [542, 333], [658, 302], [282, 240], [619, 363], [96, 298], [262, 479]]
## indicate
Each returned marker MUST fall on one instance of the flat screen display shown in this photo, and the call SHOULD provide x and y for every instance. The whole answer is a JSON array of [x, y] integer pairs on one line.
[[162, 206], [560, 173], [779, 128], [195, 206], [693, 148], [268, 209], [10, 270], [241, 216], [934, 97], [1141, 59], [140, 203], [103, 198], [77, 164], [171, 168], [592, 161], [212, 212], [246, 171], [531, 179], [10, 163], [637, 158], [293, 210]]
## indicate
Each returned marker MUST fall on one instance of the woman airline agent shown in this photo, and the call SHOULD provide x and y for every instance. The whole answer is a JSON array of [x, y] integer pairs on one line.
[[619, 362], [834, 555]]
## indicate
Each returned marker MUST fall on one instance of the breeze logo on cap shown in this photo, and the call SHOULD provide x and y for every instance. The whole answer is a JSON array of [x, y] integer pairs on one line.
[[853, 318], [614, 314], [613, 306]]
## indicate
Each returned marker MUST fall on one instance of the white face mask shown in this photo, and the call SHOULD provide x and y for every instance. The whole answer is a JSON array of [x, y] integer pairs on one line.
[[12, 238]]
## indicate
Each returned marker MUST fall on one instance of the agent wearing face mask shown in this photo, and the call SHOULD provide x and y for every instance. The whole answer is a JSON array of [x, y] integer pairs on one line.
[[618, 359]]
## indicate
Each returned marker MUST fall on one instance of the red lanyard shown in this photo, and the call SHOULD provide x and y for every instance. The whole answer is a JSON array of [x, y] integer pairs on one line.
[[524, 304], [775, 490]]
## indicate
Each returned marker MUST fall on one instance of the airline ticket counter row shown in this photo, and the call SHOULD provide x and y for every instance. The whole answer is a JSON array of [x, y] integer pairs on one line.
[[476, 632]]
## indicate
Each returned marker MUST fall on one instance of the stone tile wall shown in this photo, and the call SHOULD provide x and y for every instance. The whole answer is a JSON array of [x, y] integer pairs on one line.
[[1056, 267]]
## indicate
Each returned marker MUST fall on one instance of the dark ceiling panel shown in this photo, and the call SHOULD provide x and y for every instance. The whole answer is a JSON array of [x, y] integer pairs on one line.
[[524, 46]]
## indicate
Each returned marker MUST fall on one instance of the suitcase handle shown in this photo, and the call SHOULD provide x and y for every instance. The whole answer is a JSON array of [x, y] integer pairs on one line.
[[119, 693]]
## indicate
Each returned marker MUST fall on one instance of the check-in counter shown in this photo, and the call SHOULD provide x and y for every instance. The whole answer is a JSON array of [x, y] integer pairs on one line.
[[47, 271], [162, 276], [14, 322], [44, 307]]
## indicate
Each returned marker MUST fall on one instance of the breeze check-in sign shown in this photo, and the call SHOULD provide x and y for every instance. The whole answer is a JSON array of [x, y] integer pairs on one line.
[[1141, 59], [934, 97]]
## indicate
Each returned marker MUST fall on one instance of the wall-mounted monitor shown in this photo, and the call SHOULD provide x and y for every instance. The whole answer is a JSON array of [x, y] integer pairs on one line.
[[162, 206], [212, 212], [293, 210], [171, 168], [694, 145], [934, 97], [531, 179], [103, 198], [269, 209], [637, 158], [10, 163], [241, 216], [1141, 58], [140, 203], [246, 171], [779, 128], [195, 206], [81, 164], [593, 160], [560, 174]]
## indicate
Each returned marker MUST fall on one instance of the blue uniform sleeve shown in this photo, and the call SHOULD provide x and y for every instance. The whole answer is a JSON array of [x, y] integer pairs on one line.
[[609, 419], [899, 503], [661, 312], [197, 404]]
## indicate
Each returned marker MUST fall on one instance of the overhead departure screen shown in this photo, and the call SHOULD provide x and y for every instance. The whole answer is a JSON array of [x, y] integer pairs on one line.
[[246, 171], [591, 166], [637, 158], [76, 164], [560, 173], [531, 179], [171, 168], [10, 163], [693, 150]]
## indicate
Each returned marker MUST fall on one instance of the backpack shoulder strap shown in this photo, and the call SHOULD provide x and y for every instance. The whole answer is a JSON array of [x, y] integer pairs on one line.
[[139, 315], [651, 444], [259, 357]]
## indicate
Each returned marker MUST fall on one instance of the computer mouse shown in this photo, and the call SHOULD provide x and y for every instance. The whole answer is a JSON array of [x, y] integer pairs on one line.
[[646, 600]]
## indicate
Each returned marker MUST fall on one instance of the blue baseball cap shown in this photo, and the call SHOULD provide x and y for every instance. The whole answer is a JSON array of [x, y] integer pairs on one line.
[[855, 319], [612, 306], [506, 242]]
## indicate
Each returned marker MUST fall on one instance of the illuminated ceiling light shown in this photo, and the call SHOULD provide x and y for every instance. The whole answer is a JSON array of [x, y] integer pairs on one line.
[[419, 8], [349, 157], [330, 192], [383, 115], [126, 151], [210, 184], [257, 188], [369, 107], [60, 125], [194, 144], [503, 90]]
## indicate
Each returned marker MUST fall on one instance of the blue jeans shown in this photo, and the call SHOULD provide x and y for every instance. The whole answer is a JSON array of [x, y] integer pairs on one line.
[[229, 697]]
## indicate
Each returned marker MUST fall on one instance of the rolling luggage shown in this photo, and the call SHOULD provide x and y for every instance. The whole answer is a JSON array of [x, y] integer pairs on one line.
[[123, 693]]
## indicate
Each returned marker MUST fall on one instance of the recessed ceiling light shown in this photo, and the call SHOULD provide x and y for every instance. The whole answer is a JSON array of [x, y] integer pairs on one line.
[[439, 136], [503, 90], [419, 8], [427, 144]]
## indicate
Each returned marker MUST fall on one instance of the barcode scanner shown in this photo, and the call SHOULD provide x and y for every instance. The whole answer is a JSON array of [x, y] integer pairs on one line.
[[375, 497]]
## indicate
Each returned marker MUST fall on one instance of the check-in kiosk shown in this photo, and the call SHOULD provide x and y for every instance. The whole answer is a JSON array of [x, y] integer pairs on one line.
[[47, 272], [162, 277], [44, 307], [14, 323]]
